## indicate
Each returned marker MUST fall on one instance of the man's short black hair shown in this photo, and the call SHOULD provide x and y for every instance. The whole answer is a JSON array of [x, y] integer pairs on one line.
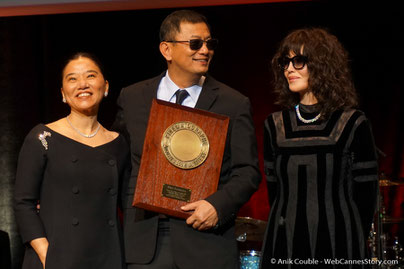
[[171, 24]]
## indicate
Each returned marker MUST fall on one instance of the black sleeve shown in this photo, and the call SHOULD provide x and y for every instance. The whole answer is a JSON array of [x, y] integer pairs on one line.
[[30, 170], [245, 175], [364, 173], [269, 163], [119, 126]]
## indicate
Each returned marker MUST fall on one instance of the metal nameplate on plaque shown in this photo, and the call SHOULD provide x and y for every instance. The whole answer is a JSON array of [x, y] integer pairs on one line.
[[178, 193], [185, 145]]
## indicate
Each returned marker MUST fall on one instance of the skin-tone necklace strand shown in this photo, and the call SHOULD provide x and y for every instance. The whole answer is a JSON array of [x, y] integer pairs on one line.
[[80, 133], [303, 119]]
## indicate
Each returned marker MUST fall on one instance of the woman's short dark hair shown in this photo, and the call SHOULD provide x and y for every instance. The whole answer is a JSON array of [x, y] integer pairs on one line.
[[79, 55], [330, 77], [172, 23]]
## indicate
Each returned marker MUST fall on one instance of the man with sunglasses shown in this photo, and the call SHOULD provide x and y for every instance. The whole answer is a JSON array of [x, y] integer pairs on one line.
[[206, 239]]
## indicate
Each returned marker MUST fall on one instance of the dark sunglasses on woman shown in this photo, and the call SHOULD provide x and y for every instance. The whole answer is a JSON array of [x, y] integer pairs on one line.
[[298, 62]]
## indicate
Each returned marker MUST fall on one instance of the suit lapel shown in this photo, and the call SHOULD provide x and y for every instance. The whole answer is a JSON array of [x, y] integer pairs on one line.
[[150, 91], [208, 94]]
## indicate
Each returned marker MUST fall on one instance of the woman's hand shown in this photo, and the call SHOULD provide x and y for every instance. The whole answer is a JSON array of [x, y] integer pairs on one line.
[[40, 245]]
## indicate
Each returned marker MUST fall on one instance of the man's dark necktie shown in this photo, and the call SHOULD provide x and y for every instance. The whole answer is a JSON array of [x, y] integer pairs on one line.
[[180, 96]]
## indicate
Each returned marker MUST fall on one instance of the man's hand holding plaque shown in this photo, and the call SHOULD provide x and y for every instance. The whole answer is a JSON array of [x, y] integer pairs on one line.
[[204, 216]]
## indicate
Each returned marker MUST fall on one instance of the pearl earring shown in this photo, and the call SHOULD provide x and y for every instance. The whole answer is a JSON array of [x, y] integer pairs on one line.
[[105, 94], [64, 100]]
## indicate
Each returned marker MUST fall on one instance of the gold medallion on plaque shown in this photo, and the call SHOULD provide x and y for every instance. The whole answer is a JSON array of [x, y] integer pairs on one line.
[[185, 145]]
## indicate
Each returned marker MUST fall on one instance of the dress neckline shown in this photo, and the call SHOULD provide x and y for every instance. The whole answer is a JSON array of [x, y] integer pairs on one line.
[[309, 108], [80, 143]]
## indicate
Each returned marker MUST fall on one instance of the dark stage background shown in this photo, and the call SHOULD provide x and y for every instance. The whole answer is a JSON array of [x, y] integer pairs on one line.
[[32, 48]]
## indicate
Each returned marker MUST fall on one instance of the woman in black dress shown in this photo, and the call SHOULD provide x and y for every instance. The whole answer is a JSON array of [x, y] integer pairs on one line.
[[319, 157], [73, 167]]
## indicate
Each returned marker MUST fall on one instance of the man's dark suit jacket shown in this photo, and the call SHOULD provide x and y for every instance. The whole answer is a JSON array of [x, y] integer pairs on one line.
[[239, 179]]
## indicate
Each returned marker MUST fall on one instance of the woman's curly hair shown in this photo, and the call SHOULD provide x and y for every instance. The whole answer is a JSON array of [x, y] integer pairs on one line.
[[329, 74]]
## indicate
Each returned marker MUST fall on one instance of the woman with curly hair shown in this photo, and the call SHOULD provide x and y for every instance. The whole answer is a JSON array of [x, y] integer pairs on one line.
[[319, 157]]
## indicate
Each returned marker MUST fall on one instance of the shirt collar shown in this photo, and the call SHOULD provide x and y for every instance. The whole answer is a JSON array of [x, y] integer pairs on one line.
[[193, 91]]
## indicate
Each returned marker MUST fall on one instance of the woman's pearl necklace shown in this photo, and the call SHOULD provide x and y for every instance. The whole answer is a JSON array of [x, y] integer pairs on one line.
[[303, 119], [80, 133]]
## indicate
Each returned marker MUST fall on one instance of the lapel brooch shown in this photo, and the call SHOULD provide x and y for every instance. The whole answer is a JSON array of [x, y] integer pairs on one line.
[[42, 138]]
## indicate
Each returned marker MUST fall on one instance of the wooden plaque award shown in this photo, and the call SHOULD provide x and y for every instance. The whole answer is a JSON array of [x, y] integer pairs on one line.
[[181, 159]]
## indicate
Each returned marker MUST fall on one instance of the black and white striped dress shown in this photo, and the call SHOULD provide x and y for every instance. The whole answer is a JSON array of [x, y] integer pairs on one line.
[[322, 184]]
